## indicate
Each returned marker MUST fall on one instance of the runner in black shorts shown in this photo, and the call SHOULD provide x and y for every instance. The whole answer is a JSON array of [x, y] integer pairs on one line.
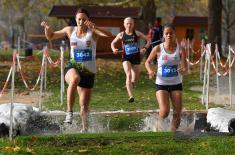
[[86, 81], [131, 53], [81, 69], [169, 88], [172, 65], [134, 59]]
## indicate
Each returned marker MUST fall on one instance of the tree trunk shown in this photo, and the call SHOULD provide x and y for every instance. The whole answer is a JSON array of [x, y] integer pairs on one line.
[[149, 13], [227, 8], [214, 23]]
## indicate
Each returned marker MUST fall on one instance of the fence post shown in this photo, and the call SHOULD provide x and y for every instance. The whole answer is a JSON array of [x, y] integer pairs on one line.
[[42, 80], [188, 54], [230, 77], [217, 69], [45, 71], [62, 74], [12, 95], [204, 81], [208, 75], [18, 51], [202, 50]]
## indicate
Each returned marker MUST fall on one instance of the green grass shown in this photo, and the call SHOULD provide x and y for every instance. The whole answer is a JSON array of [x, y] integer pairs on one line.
[[109, 92], [119, 143]]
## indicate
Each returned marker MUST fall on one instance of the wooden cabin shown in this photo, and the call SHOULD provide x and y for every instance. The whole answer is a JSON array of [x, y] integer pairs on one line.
[[108, 17], [192, 28]]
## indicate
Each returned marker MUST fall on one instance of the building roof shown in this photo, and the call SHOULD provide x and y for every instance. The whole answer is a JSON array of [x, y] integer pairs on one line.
[[68, 11], [190, 20]]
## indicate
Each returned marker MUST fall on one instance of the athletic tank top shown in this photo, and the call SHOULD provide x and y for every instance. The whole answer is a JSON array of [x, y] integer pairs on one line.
[[130, 43], [83, 52], [168, 65]]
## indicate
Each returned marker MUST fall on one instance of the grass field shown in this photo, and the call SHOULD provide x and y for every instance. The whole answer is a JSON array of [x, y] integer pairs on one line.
[[131, 143], [110, 94]]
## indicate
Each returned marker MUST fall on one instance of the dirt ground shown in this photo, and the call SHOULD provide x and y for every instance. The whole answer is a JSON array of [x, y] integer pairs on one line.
[[27, 97]]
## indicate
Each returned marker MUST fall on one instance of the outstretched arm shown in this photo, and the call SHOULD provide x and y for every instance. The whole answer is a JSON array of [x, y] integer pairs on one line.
[[97, 31], [51, 35]]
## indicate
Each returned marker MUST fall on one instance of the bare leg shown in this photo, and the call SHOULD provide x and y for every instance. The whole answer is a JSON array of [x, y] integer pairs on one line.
[[135, 73], [163, 101], [84, 99], [176, 99], [127, 69], [164, 106], [72, 78]]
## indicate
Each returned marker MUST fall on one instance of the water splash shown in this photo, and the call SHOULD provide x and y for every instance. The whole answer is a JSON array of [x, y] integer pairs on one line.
[[155, 123], [42, 123], [187, 125]]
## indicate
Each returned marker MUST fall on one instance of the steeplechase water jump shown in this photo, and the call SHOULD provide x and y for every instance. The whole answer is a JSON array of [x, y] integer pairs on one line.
[[153, 81]]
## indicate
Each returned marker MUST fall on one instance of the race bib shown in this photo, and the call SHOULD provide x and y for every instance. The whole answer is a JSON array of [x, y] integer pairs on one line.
[[169, 71], [82, 55], [131, 48]]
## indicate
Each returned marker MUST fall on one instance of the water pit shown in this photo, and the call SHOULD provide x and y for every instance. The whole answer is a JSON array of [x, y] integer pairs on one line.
[[27, 120]]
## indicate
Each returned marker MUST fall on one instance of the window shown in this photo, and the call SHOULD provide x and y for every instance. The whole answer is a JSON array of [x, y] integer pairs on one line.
[[189, 34]]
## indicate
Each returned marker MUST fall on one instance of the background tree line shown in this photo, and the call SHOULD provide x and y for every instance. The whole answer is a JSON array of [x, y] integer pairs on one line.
[[23, 17]]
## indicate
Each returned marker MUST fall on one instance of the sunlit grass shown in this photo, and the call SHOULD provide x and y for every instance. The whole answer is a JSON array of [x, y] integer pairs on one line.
[[131, 143]]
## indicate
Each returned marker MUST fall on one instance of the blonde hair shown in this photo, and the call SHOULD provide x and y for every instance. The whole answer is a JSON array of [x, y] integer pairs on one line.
[[128, 18]]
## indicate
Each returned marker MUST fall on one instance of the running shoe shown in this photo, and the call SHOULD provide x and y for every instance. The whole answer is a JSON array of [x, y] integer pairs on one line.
[[69, 118], [131, 99]]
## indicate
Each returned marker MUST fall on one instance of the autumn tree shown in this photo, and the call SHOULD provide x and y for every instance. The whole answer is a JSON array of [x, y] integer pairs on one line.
[[228, 20], [214, 23]]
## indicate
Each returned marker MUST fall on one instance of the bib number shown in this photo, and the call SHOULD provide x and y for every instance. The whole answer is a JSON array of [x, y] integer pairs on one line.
[[131, 48], [82, 55], [169, 71]]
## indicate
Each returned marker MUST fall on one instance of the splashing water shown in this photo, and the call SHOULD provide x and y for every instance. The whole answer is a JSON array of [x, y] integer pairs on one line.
[[154, 123], [30, 121]]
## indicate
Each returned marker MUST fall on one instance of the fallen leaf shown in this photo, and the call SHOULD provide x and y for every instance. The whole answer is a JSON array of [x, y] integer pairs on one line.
[[82, 151], [29, 150], [34, 139], [203, 144], [11, 148]]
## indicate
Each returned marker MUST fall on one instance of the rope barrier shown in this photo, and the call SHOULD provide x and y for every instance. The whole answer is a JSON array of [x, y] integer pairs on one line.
[[204, 51], [216, 70], [6, 82], [232, 51], [221, 64], [196, 62], [23, 77], [52, 63], [207, 76]]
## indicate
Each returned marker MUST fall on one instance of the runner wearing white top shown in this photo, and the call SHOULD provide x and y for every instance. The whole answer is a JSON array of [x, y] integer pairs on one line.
[[171, 66], [81, 69], [169, 63]]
